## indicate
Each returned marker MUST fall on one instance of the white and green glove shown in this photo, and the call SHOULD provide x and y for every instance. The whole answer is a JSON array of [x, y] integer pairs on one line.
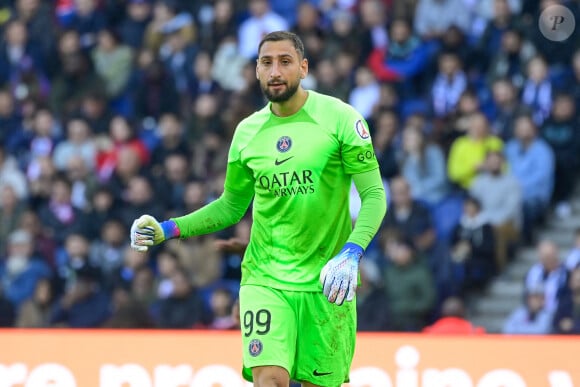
[[146, 231], [339, 277]]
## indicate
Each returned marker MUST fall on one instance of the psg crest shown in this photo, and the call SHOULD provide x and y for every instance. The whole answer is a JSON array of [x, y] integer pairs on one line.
[[255, 347], [284, 144]]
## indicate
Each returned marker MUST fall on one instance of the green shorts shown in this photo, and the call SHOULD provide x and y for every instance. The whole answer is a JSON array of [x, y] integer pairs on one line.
[[302, 332]]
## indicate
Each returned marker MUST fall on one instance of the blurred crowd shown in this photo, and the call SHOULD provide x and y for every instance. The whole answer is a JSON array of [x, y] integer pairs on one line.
[[110, 109]]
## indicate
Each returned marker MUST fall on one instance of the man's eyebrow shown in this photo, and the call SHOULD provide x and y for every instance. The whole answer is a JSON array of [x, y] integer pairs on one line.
[[285, 55]]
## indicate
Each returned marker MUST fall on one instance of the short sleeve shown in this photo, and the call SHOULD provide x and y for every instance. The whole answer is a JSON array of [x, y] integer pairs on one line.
[[357, 150]]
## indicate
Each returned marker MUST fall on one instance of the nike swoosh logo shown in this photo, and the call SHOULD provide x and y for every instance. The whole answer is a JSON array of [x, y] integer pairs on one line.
[[278, 162], [316, 373]]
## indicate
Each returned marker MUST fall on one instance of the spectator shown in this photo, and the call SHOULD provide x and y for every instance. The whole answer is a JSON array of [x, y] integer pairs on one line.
[[107, 252], [532, 162], [20, 270], [44, 137], [537, 89], [531, 318], [202, 260], [371, 301], [433, 17], [125, 274], [128, 314], [12, 134], [87, 19], [342, 34], [409, 217], [222, 26], [423, 166], [95, 111], [155, 93], [11, 175], [79, 142], [139, 199], [17, 48], [506, 108], [548, 273], [7, 312], [308, 27], [501, 199], [83, 181], [44, 245], [143, 287], [132, 28], [11, 211], [200, 79], [103, 206], [572, 260], [450, 82], [365, 95], [122, 136], [502, 20], [509, 61], [459, 121], [59, 215], [573, 81], [75, 80], [405, 57], [183, 309], [473, 247], [453, 320], [385, 128], [567, 317], [262, 20], [228, 65], [167, 265], [560, 130], [84, 304], [467, 153], [35, 312], [374, 34], [168, 18], [221, 302], [328, 80], [36, 15], [178, 54], [174, 179], [409, 286], [112, 60]]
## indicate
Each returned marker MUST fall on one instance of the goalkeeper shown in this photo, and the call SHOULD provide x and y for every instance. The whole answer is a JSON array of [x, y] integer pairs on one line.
[[296, 159]]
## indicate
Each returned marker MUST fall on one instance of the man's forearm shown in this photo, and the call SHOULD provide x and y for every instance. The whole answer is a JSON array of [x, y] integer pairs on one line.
[[225, 211], [373, 207]]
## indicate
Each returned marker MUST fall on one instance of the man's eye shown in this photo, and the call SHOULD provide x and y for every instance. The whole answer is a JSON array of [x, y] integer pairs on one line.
[[285, 62]]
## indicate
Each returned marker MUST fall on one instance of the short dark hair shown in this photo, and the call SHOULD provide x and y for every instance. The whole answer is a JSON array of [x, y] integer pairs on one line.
[[278, 36]]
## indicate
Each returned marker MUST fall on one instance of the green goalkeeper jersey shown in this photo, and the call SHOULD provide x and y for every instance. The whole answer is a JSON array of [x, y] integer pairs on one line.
[[299, 169]]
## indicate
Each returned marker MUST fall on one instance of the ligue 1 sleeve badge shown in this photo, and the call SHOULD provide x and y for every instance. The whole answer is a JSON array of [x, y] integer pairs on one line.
[[255, 347], [360, 129]]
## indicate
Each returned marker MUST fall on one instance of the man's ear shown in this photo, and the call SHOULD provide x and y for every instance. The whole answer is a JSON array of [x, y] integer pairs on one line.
[[304, 68]]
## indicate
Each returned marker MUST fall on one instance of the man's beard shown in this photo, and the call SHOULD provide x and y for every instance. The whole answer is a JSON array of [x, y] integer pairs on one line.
[[282, 96]]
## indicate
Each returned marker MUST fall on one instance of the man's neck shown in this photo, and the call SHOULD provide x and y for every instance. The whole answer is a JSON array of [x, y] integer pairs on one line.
[[292, 105]]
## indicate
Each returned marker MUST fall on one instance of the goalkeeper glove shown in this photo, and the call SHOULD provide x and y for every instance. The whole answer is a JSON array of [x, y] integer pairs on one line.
[[147, 231], [339, 277]]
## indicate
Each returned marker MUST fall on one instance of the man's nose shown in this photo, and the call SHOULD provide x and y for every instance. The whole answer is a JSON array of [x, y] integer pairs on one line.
[[275, 70]]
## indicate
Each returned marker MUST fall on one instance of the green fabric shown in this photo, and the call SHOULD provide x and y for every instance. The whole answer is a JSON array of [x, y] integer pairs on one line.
[[374, 205], [294, 330], [299, 171]]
